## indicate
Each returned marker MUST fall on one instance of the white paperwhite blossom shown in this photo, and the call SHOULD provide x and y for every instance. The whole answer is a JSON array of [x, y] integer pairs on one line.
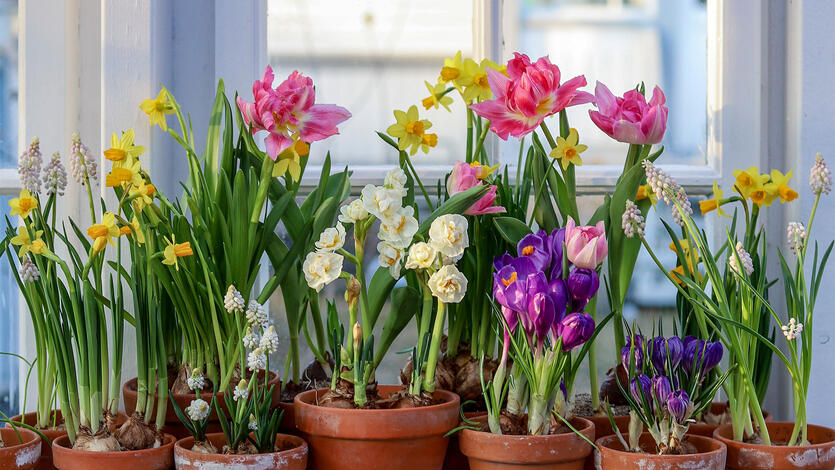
[[399, 229], [241, 391], [256, 315], [448, 235], [421, 256], [256, 360], [269, 341], [321, 269], [448, 284], [198, 410], [380, 201], [331, 239], [233, 301], [353, 212], [390, 256], [396, 179], [250, 339]]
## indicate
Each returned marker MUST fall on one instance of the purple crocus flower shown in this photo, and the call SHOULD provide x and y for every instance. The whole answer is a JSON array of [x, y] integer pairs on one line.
[[511, 318], [666, 350], [713, 354], [501, 261], [661, 389], [583, 285], [678, 403], [537, 248], [510, 281], [701, 355], [641, 387], [637, 352], [557, 242], [575, 329], [541, 314]]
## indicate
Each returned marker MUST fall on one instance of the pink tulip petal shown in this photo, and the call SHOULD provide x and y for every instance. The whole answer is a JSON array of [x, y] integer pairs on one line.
[[277, 143], [629, 132], [605, 100]]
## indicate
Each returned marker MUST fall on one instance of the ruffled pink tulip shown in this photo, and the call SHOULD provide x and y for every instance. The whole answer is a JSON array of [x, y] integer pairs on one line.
[[585, 245], [527, 95], [464, 177], [289, 112], [630, 119]]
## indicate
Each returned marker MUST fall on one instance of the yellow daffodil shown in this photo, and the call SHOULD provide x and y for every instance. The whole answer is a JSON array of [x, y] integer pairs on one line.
[[714, 203], [175, 250], [436, 96], [122, 151], [24, 241], [103, 232], [409, 130], [691, 255], [748, 181], [568, 150], [483, 170], [127, 174], [474, 80], [428, 141], [134, 229], [290, 159], [451, 69], [157, 108], [645, 192], [142, 194], [779, 186], [23, 204]]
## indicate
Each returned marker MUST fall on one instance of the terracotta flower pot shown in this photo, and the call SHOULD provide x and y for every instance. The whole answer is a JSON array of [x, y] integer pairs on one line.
[[45, 462], [288, 419], [293, 457], [173, 425], [157, 458], [454, 459], [19, 455], [603, 428], [612, 455], [567, 451], [718, 408], [819, 455], [352, 439]]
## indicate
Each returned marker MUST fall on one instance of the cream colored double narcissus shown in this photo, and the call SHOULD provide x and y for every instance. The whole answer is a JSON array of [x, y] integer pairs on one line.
[[448, 284], [448, 235], [421, 256], [321, 268]]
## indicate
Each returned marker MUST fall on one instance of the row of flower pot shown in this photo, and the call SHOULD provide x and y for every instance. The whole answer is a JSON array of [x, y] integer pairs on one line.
[[416, 438]]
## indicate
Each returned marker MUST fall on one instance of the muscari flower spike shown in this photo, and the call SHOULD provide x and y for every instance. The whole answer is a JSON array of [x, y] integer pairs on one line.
[[82, 165], [792, 329], [256, 315], [744, 258], [28, 270], [820, 178], [632, 222], [796, 235], [54, 176], [198, 410], [233, 301], [29, 167], [196, 381]]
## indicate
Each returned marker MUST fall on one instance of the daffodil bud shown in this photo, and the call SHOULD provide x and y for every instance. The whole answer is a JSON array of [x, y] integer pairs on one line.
[[357, 335], [352, 293]]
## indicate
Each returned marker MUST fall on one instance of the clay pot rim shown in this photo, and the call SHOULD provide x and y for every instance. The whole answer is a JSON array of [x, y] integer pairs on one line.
[[300, 445], [606, 441], [32, 414], [450, 399], [515, 438], [274, 379], [718, 435], [35, 441], [61, 445]]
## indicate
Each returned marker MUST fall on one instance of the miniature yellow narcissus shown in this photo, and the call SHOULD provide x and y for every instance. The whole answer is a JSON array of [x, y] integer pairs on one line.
[[779, 186], [568, 150], [122, 151], [410, 129], [24, 241], [748, 181], [23, 204], [175, 250], [451, 69], [483, 171], [714, 203], [157, 108], [437, 96], [290, 159], [103, 232]]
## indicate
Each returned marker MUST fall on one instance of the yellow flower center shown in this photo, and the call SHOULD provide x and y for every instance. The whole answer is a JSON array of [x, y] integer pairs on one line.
[[528, 250], [301, 147], [27, 204], [414, 128], [183, 249], [788, 194], [115, 155], [449, 73], [509, 281], [481, 80], [708, 205], [97, 231], [758, 196], [124, 230], [570, 153], [429, 139], [428, 102], [744, 180], [642, 193]]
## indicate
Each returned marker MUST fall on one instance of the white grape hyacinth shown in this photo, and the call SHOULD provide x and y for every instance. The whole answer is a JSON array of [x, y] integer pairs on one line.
[[321, 269], [256, 360], [241, 391], [744, 257], [196, 381], [233, 301], [331, 239], [269, 341], [256, 315], [448, 235], [250, 339], [253, 423], [792, 329], [632, 222], [198, 410]]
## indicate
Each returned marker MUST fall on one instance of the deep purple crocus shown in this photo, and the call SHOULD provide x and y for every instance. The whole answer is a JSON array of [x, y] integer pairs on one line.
[[661, 389], [637, 352], [557, 242], [583, 285], [641, 386], [501, 261], [666, 351], [511, 318], [701, 355], [537, 248], [678, 404], [510, 283], [575, 329], [713, 354], [541, 314]]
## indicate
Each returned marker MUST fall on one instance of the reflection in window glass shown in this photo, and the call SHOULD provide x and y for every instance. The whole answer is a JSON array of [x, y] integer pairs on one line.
[[8, 83], [621, 43], [8, 331], [372, 57]]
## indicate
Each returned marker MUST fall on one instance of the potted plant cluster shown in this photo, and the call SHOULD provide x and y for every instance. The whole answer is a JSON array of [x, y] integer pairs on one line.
[[494, 269]]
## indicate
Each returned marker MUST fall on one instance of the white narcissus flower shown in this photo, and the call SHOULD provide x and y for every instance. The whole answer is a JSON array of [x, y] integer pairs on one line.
[[390, 256], [396, 179], [198, 410], [331, 239], [353, 212], [380, 201], [448, 235], [269, 342], [256, 360], [421, 256], [400, 229], [321, 269], [448, 284], [241, 391]]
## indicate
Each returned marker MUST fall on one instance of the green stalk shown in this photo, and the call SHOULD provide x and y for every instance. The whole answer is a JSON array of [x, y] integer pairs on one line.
[[434, 348], [591, 308], [359, 250]]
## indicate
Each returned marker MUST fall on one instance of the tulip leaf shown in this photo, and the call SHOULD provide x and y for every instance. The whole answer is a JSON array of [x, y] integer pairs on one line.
[[457, 204], [511, 229], [405, 302]]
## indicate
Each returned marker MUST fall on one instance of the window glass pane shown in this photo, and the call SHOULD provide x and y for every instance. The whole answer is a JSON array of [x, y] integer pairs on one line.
[[8, 83], [621, 43], [372, 57], [8, 329]]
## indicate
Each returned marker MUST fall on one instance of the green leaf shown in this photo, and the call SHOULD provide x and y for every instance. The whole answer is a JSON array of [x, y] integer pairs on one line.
[[379, 288], [511, 229], [457, 204], [405, 302], [213, 136]]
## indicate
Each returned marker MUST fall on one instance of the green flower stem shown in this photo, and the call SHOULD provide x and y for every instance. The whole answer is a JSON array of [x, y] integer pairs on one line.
[[359, 249], [316, 313], [434, 348], [425, 316], [469, 153], [591, 308], [419, 182], [479, 148]]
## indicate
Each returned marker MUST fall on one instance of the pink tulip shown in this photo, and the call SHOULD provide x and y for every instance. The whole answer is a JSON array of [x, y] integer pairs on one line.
[[289, 112], [585, 245], [527, 95], [630, 119], [463, 177]]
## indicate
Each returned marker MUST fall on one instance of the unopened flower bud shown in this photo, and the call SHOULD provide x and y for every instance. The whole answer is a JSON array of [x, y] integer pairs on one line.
[[357, 335], [352, 293]]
